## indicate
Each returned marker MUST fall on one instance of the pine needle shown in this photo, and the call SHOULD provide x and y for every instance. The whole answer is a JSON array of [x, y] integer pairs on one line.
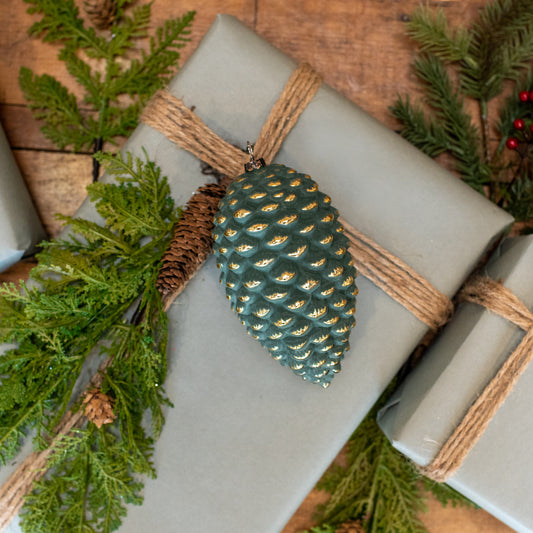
[[429, 28]]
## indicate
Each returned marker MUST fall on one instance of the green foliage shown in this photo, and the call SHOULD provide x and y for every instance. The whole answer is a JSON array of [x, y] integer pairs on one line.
[[321, 529], [461, 66], [446, 495], [430, 29], [502, 42], [91, 470], [378, 486], [101, 64], [77, 304]]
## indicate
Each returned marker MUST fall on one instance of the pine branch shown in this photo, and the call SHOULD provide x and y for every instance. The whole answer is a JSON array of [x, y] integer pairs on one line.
[[448, 107], [424, 132], [430, 30], [502, 42]]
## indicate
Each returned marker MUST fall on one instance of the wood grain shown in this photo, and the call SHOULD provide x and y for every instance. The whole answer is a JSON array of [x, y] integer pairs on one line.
[[359, 46]]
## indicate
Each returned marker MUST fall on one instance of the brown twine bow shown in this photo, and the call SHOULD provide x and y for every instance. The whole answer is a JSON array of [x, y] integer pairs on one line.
[[171, 117], [496, 298]]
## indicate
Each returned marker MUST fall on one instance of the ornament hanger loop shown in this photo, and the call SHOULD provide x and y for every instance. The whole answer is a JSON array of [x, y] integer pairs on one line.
[[253, 164]]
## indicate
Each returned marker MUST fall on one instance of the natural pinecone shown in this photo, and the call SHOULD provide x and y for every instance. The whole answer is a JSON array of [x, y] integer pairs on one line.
[[350, 527], [99, 408], [101, 13], [192, 242]]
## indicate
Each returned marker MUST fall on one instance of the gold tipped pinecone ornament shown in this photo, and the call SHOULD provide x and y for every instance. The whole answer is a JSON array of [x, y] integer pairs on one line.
[[285, 265], [101, 13], [99, 408]]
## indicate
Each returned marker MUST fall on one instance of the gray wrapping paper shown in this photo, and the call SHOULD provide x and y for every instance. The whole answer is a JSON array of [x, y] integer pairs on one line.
[[247, 440], [498, 473], [20, 227]]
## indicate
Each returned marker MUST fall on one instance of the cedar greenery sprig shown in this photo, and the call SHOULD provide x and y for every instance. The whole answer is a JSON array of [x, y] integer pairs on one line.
[[378, 487], [92, 295], [457, 66], [107, 65]]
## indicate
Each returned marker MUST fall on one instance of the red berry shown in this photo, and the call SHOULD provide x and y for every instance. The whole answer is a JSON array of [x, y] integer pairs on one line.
[[524, 96], [512, 143], [519, 124], [531, 95]]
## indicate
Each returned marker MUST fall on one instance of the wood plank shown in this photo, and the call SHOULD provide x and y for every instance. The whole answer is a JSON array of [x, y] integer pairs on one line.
[[18, 272], [360, 47], [56, 182]]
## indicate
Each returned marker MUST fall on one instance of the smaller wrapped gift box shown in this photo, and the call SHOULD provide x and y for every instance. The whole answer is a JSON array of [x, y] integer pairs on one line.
[[20, 227], [497, 473], [247, 439]]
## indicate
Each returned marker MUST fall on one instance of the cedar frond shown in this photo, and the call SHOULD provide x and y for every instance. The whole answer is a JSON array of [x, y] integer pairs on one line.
[[102, 116], [100, 275]]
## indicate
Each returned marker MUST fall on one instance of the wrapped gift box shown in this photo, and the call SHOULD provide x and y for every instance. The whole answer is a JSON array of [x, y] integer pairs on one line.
[[247, 439], [20, 227], [497, 473]]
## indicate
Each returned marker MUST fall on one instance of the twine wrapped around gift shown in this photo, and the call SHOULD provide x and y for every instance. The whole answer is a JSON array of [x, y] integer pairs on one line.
[[500, 300], [171, 117]]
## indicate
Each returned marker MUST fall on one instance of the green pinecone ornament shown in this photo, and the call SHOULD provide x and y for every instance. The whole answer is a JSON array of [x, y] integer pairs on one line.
[[285, 264]]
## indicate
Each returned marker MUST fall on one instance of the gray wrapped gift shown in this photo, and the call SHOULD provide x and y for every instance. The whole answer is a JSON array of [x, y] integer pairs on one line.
[[497, 473], [247, 439], [20, 227]]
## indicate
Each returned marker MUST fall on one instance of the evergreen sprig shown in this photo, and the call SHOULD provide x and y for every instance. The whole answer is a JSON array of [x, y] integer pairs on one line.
[[462, 65], [106, 65], [378, 486], [92, 294]]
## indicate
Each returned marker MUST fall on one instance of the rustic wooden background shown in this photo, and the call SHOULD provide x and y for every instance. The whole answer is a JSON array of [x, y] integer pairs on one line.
[[358, 45]]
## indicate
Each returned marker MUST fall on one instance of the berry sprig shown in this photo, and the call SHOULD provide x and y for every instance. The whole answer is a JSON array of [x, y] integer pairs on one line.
[[522, 137]]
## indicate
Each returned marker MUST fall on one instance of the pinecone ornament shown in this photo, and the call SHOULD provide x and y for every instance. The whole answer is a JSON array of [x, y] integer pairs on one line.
[[99, 408], [286, 268]]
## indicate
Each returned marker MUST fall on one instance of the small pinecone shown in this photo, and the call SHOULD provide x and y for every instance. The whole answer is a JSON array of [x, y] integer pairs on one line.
[[101, 13], [99, 408], [350, 527], [192, 242]]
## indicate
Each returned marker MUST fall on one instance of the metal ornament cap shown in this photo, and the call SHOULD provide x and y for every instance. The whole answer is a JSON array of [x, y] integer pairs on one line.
[[286, 268]]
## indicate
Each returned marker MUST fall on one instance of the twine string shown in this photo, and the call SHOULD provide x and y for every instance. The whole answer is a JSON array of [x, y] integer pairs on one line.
[[169, 115], [398, 280], [500, 300]]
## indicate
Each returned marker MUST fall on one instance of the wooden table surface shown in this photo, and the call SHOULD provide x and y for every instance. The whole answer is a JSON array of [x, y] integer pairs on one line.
[[358, 45]]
